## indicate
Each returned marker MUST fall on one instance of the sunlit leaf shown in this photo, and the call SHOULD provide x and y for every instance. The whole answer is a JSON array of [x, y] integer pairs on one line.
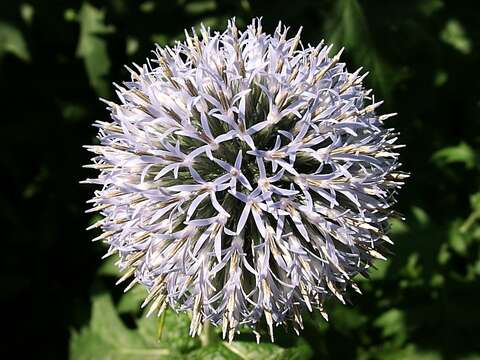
[[413, 269], [12, 41], [411, 352], [174, 334], [457, 239], [380, 270], [245, 5], [107, 338], [199, 7], [132, 299], [474, 215], [454, 34], [132, 45], [92, 46], [441, 77], [241, 350], [70, 15], [475, 201], [27, 11], [147, 6], [160, 39], [393, 324], [461, 153], [108, 267], [420, 216], [398, 227]]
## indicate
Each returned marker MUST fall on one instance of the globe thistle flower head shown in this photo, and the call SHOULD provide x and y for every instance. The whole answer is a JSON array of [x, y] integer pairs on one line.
[[245, 177]]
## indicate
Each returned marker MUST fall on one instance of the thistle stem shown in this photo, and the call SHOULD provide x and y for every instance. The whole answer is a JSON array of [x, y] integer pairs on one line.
[[207, 336]]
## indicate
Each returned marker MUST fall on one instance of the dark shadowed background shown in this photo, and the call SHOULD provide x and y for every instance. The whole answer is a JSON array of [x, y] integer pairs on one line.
[[58, 57]]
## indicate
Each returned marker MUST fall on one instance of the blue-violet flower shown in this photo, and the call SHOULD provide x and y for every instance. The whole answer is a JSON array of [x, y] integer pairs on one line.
[[244, 177]]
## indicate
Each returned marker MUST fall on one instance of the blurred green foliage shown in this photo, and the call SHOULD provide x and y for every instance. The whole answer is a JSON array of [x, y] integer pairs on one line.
[[58, 57]]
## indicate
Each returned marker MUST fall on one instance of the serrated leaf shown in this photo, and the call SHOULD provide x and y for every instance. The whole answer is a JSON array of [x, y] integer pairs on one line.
[[12, 41], [107, 338], [243, 350], [92, 47], [214, 352]]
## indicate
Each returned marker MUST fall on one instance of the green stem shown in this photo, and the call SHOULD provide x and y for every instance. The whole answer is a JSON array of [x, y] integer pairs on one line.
[[207, 336], [470, 221]]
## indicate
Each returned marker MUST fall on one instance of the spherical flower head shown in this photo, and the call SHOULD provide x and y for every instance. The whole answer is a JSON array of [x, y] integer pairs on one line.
[[245, 178]]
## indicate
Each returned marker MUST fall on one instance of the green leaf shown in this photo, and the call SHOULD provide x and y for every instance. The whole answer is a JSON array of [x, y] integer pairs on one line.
[[346, 319], [199, 7], [457, 239], [132, 300], [393, 324], [147, 6], [441, 77], [410, 352], [461, 153], [454, 35], [132, 45], [412, 268], [27, 11], [72, 112], [475, 201], [470, 357], [429, 7], [92, 46], [108, 267], [107, 338], [174, 334], [474, 216], [12, 41], [421, 217], [214, 352], [349, 28], [398, 227], [379, 271], [243, 350]]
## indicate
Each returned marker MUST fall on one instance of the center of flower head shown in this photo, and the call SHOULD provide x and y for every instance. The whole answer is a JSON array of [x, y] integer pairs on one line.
[[244, 178]]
